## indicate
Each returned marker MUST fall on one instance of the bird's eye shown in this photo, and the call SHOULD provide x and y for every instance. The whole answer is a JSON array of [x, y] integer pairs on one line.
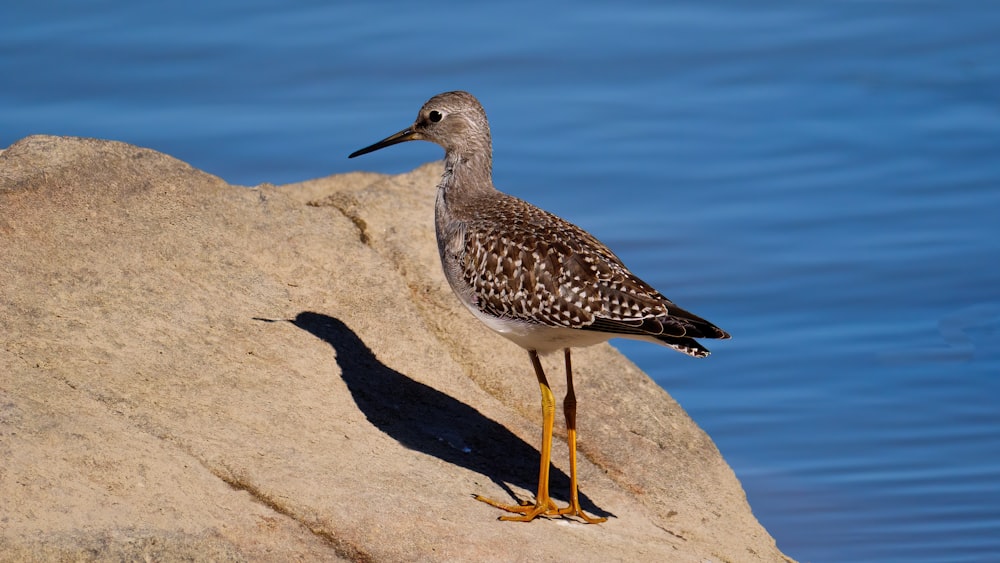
[[435, 116]]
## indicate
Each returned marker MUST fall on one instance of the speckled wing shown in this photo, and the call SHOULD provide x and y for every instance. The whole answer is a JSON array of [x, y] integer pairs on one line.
[[526, 264]]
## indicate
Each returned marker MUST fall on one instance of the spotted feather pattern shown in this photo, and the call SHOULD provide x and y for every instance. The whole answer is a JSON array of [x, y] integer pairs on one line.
[[526, 264]]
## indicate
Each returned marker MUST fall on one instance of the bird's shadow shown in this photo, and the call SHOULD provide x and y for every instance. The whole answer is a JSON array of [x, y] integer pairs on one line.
[[427, 420]]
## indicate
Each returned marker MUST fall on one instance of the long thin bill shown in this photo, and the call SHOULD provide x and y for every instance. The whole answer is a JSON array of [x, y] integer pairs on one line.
[[407, 134]]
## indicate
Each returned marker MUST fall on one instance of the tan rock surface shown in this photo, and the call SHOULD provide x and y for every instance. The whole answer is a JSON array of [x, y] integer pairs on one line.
[[193, 370]]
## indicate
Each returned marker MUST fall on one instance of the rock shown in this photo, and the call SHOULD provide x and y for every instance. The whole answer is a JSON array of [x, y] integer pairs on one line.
[[193, 370]]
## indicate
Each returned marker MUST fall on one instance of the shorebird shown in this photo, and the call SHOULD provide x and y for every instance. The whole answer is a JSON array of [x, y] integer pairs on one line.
[[534, 278]]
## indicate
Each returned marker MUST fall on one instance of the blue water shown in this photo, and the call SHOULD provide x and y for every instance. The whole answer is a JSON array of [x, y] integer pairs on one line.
[[820, 179]]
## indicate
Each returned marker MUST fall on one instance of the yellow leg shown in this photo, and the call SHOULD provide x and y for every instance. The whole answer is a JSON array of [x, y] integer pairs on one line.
[[543, 503], [569, 409]]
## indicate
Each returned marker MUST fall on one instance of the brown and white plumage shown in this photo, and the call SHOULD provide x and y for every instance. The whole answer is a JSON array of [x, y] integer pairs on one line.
[[531, 276], [525, 265]]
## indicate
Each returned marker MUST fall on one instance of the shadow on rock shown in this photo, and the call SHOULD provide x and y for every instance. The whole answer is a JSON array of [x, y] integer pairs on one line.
[[424, 419]]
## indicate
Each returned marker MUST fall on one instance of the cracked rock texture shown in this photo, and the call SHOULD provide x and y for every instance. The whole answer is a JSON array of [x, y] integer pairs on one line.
[[194, 370]]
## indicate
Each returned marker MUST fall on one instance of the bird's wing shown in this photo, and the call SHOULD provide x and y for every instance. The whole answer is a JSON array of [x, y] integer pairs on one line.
[[539, 268]]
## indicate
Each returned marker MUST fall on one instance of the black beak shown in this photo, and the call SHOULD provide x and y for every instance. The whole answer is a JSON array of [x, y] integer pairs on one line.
[[407, 134]]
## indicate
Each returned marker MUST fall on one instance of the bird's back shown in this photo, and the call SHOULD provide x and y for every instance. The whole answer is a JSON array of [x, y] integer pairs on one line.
[[524, 265]]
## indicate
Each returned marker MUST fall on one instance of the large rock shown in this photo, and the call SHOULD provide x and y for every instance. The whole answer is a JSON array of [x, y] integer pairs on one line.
[[190, 369]]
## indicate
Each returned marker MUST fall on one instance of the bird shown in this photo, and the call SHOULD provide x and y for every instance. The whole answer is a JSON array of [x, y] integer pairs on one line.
[[538, 280]]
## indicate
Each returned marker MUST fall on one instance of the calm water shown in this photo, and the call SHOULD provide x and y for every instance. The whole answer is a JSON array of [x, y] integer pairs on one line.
[[821, 180]]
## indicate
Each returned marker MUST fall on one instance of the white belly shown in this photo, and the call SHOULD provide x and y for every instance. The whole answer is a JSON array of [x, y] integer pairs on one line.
[[541, 338]]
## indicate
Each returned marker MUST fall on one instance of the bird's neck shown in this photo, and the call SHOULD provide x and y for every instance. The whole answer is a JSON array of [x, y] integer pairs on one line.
[[466, 174]]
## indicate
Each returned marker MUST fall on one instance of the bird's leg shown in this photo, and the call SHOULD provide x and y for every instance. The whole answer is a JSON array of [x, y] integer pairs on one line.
[[543, 503], [569, 409]]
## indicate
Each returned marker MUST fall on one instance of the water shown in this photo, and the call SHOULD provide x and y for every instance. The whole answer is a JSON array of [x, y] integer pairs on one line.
[[822, 180]]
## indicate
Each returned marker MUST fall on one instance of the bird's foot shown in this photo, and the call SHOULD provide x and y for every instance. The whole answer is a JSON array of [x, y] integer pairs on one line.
[[573, 509], [525, 511], [528, 511]]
